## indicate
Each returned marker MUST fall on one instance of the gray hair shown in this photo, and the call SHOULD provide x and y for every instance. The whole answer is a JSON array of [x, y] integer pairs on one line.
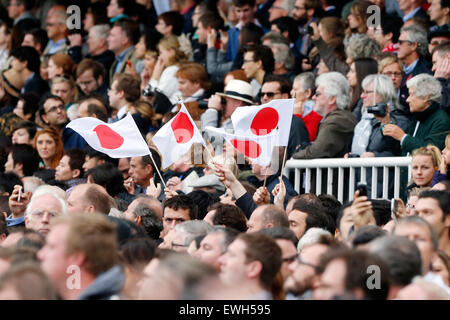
[[101, 30], [274, 37], [306, 80], [283, 55], [37, 195], [401, 255], [426, 85], [192, 229], [61, 15], [312, 236], [419, 35], [363, 47], [383, 86], [420, 222], [335, 85], [228, 236]]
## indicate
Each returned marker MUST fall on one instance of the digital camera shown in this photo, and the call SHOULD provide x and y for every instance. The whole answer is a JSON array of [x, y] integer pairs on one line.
[[380, 109]]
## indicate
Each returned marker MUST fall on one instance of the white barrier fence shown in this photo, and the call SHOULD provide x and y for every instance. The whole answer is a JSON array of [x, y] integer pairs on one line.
[[384, 163]]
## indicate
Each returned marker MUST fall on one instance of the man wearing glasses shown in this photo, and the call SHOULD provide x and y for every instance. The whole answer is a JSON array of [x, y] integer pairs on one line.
[[43, 207], [305, 271], [53, 114], [57, 32], [413, 48]]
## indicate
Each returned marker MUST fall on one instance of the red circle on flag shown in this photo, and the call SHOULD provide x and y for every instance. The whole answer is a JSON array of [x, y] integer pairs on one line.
[[182, 128], [250, 149], [109, 139], [264, 121]]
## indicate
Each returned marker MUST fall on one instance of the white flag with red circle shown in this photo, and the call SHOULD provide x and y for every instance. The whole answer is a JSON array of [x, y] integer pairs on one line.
[[176, 137], [120, 139], [263, 119], [256, 148]]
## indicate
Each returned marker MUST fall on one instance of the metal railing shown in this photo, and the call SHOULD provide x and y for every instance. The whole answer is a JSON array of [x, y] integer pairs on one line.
[[384, 163]]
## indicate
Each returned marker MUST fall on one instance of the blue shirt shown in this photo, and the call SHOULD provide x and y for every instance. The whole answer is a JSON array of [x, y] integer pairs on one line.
[[410, 68], [10, 222], [54, 46], [411, 14], [120, 59]]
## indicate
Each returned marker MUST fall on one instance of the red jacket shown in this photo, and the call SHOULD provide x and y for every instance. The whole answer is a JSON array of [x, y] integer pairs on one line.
[[311, 121]]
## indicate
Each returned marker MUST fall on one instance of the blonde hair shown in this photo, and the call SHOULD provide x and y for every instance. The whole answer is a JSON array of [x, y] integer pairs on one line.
[[447, 141], [386, 61], [173, 43], [431, 151], [65, 78]]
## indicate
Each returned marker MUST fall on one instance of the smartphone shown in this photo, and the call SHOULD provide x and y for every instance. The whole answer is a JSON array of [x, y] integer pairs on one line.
[[362, 188], [395, 203], [19, 195]]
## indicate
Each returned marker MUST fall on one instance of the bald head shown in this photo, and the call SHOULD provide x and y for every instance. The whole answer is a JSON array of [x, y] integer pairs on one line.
[[89, 198]]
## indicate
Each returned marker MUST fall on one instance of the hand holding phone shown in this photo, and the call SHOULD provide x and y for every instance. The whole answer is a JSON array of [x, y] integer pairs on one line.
[[362, 188]]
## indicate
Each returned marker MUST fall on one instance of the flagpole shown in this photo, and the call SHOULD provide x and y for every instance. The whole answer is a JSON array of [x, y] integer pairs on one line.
[[265, 177], [157, 170], [284, 160]]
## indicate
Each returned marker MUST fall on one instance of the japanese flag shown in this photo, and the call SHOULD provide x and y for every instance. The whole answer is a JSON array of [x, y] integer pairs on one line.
[[263, 119], [176, 137], [257, 148], [118, 140]]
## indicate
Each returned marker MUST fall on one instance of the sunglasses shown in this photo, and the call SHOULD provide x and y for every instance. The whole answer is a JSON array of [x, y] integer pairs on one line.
[[269, 94]]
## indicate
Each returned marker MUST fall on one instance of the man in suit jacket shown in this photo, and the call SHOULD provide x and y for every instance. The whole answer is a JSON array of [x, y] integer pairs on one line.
[[412, 9], [335, 133], [57, 33], [413, 48], [121, 41], [125, 90]]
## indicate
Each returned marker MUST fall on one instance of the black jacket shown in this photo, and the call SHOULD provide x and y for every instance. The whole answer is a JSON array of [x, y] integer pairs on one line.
[[385, 146], [36, 85]]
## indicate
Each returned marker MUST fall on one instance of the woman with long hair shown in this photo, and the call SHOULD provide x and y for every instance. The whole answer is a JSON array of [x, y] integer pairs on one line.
[[163, 77], [359, 69], [50, 147]]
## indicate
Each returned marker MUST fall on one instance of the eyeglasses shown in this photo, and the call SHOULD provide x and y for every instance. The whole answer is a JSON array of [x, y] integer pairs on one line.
[[400, 42], [411, 206], [248, 61], [395, 74], [56, 108], [40, 214], [269, 94], [366, 92], [52, 24], [300, 261]]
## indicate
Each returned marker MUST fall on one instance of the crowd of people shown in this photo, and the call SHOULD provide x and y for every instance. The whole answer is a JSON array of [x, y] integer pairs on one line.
[[78, 224]]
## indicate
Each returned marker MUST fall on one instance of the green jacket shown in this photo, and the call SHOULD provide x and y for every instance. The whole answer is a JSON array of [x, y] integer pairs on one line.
[[434, 125]]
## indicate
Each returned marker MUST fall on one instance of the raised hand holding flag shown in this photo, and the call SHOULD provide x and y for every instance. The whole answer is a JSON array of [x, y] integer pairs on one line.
[[176, 137]]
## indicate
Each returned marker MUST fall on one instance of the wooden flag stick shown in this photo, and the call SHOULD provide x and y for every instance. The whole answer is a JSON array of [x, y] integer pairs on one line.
[[157, 170], [284, 160], [265, 177]]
